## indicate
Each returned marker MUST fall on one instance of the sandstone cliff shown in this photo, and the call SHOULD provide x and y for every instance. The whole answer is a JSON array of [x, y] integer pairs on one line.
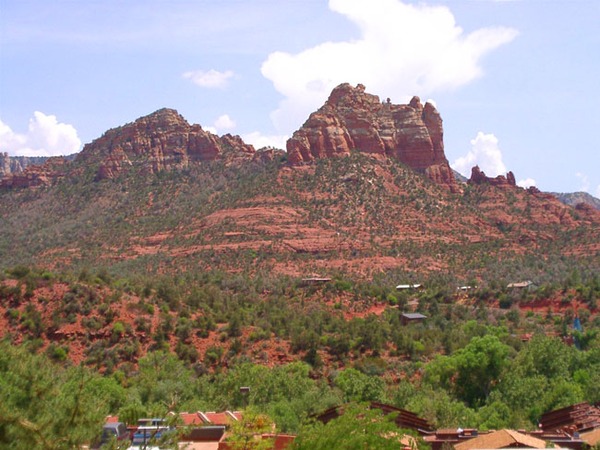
[[163, 140], [35, 175], [16, 164], [478, 176], [352, 119]]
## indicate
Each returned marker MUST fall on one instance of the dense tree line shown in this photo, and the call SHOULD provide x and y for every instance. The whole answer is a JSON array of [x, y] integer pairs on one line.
[[486, 384], [465, 366]]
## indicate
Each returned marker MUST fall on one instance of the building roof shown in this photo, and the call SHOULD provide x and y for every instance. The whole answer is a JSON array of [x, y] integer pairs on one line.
[[316, 280], [501, 439], [191, 418], [413, 316], [578, 417], [408, 286], [220, 418], [404, 419], [199, 445], [591, 437], [278, 441], [520, 284]]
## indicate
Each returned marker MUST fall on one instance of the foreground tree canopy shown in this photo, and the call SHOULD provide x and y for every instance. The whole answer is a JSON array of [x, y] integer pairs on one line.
[[466, 365]]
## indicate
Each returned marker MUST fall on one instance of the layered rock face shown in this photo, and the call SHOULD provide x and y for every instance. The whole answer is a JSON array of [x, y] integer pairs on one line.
[[478, 176], [163, 140], [352, 119], [36, 175], [15, 164]]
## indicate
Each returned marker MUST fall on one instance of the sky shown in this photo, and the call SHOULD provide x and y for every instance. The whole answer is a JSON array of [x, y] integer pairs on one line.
[[517, 82]]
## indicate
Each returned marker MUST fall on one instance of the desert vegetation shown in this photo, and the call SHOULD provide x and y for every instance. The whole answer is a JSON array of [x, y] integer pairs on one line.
[[144, 295], [490, 358]]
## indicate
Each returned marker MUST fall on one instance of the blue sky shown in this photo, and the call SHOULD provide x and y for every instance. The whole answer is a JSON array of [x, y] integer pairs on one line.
[[516, 82]]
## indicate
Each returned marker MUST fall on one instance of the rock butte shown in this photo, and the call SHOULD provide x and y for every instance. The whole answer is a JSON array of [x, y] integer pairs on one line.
[[352, 119]]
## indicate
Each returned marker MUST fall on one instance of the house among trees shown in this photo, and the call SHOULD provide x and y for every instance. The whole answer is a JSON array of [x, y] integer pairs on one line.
[[501, 439], [404, 419], [526, 285], [310, 281], [445, 437], [581, 419], [407, 318], [404, 287], [464, 288]]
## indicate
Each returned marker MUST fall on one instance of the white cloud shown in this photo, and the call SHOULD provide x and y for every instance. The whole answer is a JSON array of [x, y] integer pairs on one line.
[[484, 153], [586, 185], [585, 182], [259, 140], [224, 122], [527, 182], [45, 137], [208, 79], [403, 50]]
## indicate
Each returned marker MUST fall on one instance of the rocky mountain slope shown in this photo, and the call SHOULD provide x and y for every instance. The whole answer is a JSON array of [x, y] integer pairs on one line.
[[575, 198], [162, 236], [364, 188], [17, 164]]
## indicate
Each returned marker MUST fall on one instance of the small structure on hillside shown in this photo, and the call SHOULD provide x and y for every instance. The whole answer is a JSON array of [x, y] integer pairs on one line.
[[464, 288], [526, 285], [403, 287], [311, 281], [407, 318]]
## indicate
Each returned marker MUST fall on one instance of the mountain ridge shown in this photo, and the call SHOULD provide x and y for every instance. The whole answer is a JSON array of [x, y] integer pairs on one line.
[[159, 194], [350, 119]]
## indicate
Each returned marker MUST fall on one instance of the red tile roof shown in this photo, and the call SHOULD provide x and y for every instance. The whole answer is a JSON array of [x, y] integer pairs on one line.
[[221, 418], [591, 437], [501, 439], [191, 418], [578, 417]]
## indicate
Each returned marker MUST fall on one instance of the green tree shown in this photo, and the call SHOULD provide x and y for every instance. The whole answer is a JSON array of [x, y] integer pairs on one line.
[[246, 433], [163, 380], [472, 371], [357, 386], [357, 428], [45, 406]]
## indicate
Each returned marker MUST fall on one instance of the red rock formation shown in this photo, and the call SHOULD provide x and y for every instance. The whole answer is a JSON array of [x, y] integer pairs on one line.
[[268, 155], [478, 176], [15, 164], [163, 140], [113, 164], [36, 175], [4, 164], [352, 119]]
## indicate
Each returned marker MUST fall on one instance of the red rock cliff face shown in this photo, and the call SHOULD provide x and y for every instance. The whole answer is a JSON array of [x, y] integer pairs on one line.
[[478, 176], [352, 119], [163, 140], [34, 176]]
